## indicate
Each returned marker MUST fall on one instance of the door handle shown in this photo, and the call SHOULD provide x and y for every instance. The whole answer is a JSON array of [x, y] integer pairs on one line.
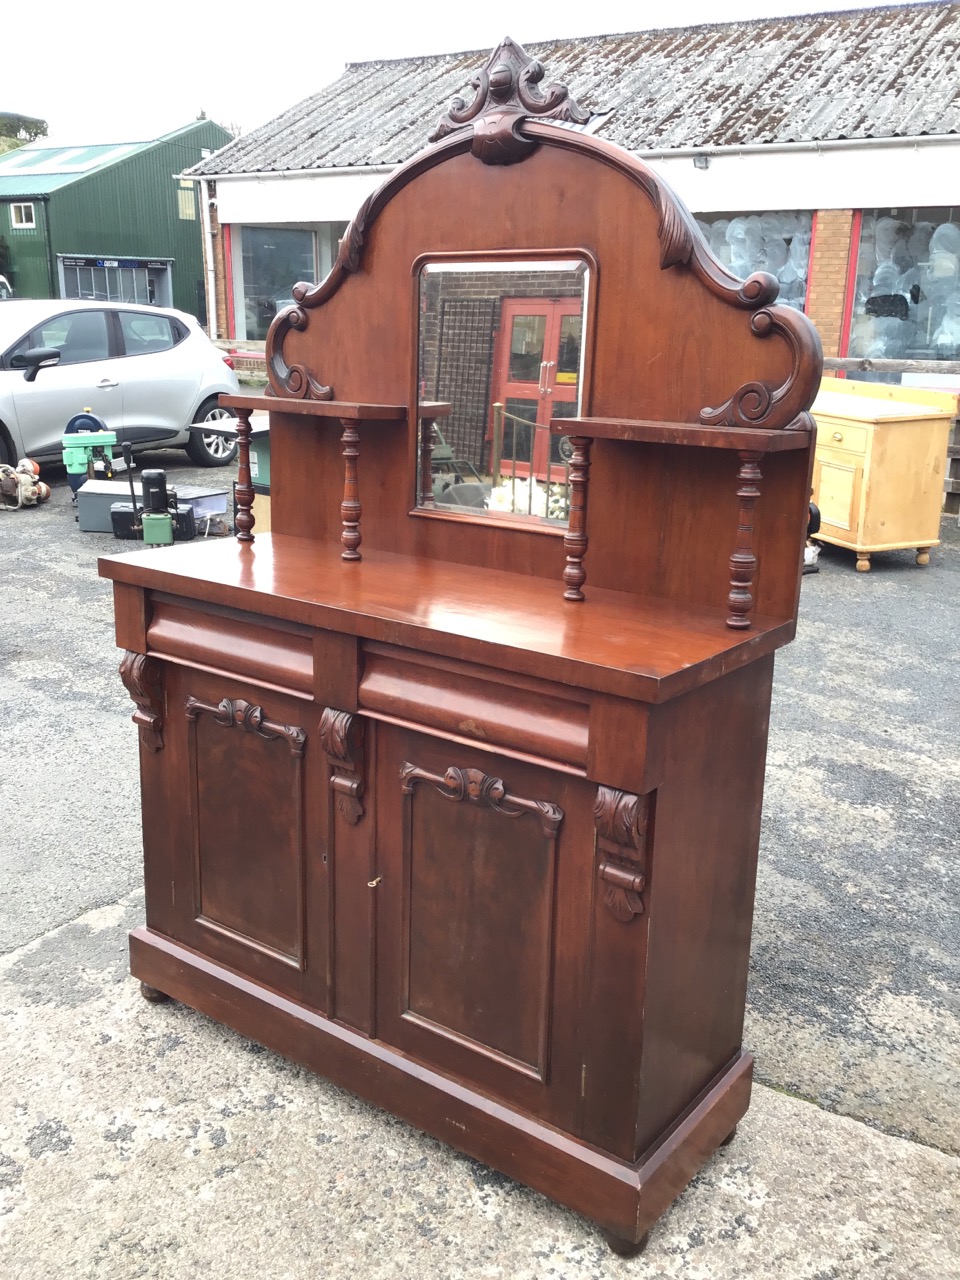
[[543, 369], [108, 382]]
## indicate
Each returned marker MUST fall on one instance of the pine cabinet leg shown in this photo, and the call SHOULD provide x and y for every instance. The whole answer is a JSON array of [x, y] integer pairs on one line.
[[923, 555], [622, 1247], [152, 994], [863, 562]]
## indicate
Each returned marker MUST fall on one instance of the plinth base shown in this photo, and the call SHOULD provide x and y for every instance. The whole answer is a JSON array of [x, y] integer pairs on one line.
[[623, 1199]]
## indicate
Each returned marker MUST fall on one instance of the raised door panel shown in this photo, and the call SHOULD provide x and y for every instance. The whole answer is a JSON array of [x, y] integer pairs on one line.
[[249, 871], [836, 490], [483, 861]]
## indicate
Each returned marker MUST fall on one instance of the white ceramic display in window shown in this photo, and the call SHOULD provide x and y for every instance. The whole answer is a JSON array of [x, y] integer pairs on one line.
[[775, 242], [907, 298]]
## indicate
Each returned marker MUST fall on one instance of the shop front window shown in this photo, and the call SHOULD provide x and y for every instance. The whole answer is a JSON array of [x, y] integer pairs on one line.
[[906, 303], [271, 261], [778, 243], [274, 259]]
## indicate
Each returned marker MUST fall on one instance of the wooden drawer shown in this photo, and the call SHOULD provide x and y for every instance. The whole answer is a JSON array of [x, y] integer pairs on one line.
[[840, 434]]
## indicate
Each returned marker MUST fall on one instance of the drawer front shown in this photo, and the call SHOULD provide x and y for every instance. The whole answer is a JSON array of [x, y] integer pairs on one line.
[[848, 436], [475, 704]]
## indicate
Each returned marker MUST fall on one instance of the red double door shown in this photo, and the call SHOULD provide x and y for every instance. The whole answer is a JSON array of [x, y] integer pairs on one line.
[[536, 377]]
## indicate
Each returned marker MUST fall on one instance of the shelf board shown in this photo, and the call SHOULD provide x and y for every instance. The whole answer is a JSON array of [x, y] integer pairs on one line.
[[758, 439], [319, 408]]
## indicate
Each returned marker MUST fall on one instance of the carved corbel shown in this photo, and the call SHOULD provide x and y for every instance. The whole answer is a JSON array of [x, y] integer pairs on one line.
[[342, 738], [621, 822], [143, 679]]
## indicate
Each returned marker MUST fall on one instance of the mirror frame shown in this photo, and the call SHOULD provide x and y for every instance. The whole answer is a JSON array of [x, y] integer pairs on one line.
[[501, 520]]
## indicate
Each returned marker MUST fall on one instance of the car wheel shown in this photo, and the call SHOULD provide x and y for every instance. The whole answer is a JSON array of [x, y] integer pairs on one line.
[[211, 450]]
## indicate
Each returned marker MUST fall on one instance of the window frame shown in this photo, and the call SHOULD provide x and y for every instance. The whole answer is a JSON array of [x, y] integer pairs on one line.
[[23, 224]]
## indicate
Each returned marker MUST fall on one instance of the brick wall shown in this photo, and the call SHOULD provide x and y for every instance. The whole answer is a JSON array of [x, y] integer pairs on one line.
[[219, 266], [829, 259]]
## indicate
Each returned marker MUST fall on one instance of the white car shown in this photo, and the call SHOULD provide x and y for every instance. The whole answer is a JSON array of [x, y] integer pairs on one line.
[[148, 372]]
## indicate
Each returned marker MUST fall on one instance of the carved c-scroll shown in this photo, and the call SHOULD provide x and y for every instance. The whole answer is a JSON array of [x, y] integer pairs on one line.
[[621, 821], [143, 680], [292, 380], [477, 787], [757, 404], [235, 713], [341, 737]]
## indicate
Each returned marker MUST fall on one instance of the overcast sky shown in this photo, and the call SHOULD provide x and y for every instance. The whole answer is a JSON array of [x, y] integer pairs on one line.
[[118, 71]]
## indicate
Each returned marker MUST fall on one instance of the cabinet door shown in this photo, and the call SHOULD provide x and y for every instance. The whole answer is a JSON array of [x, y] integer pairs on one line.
[[248, 881], [483, 864], [837, 482]]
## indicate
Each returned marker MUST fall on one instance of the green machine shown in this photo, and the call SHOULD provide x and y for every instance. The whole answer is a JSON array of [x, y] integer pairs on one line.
[[87, 449]]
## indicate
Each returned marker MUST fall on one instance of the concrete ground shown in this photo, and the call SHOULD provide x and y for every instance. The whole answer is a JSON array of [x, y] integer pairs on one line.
[[140, 1140]]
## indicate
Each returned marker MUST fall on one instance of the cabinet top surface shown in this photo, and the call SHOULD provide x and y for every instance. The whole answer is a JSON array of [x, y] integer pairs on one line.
[[633, 646], [834, 404]]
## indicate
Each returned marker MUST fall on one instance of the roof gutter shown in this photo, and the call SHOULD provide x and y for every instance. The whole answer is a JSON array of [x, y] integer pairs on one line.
[[339, 171], [830, 144]]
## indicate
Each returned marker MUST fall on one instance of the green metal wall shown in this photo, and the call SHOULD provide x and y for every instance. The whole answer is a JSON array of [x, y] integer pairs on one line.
[[131, 209], [29, 263]]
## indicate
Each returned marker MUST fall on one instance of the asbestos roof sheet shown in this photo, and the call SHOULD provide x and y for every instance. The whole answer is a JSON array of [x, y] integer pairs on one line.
[[866, 73]]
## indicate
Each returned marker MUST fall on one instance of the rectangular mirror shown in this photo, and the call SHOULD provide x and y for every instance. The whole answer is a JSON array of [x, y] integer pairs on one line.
[[501, 352]]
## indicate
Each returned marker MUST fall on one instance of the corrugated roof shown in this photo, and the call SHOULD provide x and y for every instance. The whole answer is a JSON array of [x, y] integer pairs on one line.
[[865, 73]]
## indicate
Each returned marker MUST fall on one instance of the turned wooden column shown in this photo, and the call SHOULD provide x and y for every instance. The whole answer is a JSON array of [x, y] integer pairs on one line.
[[244, 518], [743, 562], [575, 539], [428, 437], [350, 509]]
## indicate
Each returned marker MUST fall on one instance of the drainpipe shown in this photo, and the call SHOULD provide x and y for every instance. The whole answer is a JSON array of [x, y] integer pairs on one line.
[[210, 274]]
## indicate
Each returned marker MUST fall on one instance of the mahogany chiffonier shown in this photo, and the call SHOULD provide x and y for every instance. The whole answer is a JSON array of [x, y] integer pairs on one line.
[[452, 781]]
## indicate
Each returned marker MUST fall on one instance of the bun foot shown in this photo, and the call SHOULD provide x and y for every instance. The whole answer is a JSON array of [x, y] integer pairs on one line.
[[730, 1137], [863, 562], [923, 555], [152, 994], [622, 1247]]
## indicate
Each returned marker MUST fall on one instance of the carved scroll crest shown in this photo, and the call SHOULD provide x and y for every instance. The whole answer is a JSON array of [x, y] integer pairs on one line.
[[757, 404], [621, 821], [143, 680], [477, 787], [234, 713], [506, 93], [342, 738], [293, 380]]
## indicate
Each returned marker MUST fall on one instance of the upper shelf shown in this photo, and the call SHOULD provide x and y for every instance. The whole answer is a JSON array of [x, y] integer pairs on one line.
[[319, 408], [757, 439]]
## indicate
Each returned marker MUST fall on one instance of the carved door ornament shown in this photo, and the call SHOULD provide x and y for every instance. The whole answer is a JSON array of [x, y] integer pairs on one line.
[[235, 713], [476, 787]]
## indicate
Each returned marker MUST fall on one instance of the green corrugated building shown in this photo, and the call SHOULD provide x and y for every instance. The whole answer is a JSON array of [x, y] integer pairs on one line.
[[110, 222]]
